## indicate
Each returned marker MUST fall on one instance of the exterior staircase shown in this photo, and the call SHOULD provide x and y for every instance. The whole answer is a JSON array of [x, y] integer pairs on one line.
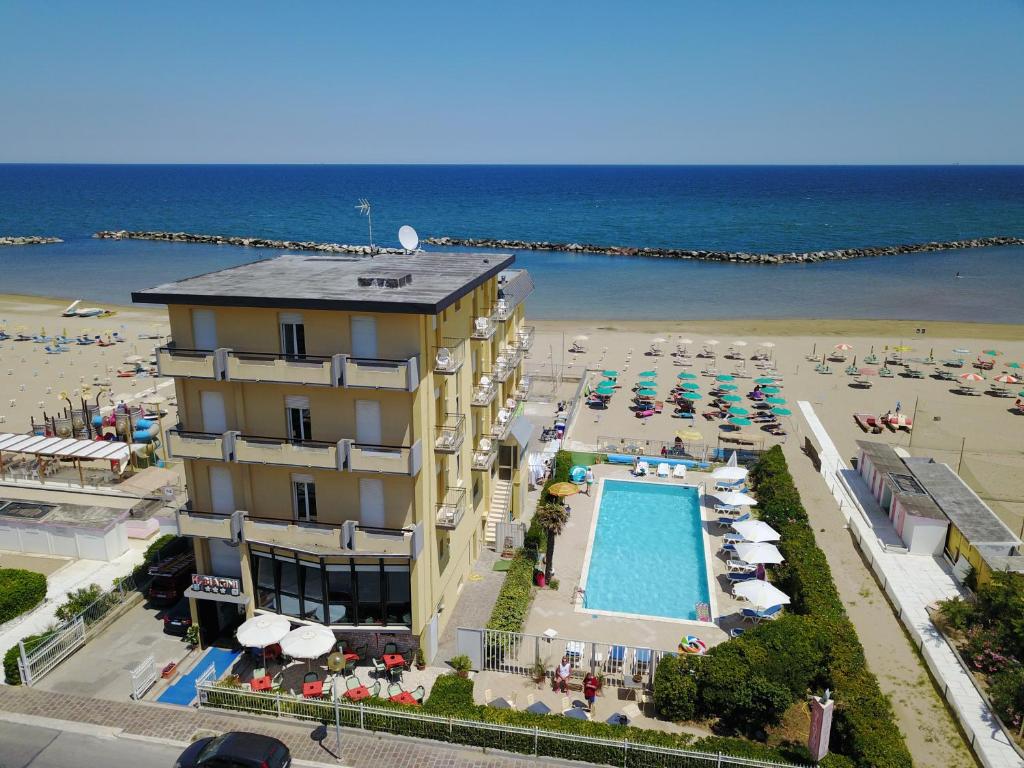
[[501, 503]]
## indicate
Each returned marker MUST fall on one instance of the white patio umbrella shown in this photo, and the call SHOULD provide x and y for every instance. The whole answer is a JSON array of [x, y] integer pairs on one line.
[[761, 594], [308, 642], [261, 631], [730, 474], [735, 499], [757, 553], [756, 530]]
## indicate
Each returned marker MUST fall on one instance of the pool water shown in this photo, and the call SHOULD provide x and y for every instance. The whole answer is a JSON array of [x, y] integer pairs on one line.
[[647, 556]]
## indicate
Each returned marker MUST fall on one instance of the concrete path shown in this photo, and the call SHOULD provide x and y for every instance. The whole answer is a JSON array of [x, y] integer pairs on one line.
[[476, 601]]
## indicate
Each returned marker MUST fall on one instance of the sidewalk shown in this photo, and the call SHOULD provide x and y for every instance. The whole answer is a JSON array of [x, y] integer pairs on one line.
[[178, 724], [911, 583]]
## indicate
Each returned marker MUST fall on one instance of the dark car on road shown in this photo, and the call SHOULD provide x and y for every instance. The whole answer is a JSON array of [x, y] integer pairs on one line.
[[178, 619], [236, 749]]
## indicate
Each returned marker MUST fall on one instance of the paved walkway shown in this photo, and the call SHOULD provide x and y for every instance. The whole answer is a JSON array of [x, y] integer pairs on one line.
[[911, 583], [476, 601], [178, 724]]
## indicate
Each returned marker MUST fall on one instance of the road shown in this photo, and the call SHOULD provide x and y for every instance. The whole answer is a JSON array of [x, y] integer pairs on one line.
[[26, 746]]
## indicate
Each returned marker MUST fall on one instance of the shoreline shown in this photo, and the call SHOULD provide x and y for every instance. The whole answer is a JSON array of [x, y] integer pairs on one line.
[[732, 257]]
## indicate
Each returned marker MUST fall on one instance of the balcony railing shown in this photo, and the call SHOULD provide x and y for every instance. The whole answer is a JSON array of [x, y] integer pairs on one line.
[[484, 391], [523, 390], [450, 433], [217, 446], [452, 508], [386, 459], [449, 357], [504, 310], [286, 369], [524, 338], [300, 534], [506, 363], [484, 326], [502, 423], [484, 455], [379, 541], [190, 363], [209, 526], [281, 451], [379, 373]]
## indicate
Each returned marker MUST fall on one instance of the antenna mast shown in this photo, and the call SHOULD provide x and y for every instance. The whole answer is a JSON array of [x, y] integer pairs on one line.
[[364, 208]]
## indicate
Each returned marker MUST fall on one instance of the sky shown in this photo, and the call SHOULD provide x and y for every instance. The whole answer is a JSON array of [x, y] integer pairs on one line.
[[748, 81]]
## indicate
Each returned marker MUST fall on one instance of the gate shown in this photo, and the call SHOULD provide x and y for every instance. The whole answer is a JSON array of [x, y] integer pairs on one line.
[[143, 677], [470, 642], [508, 536], [207, 676], [35, 663]]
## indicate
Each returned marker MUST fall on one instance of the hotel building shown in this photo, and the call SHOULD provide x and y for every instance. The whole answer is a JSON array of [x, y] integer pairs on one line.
[[350, 430]]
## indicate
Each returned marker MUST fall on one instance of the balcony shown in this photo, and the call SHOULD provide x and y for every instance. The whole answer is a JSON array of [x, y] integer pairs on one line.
[[506, 363], [205, 525], [502, 423], [450, 433], [484, 391], [484, 455], [371, 373], [190, 363], [200, 445], [283, 369], [312, 454], [523, 390], [379, 541], [449, 357], [505, 310], [451, 509], [524, 338], [298, 534], [484, 327], [385, 459]]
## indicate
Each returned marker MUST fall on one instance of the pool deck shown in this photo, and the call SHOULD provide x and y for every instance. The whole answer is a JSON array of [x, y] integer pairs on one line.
[[556, 609]]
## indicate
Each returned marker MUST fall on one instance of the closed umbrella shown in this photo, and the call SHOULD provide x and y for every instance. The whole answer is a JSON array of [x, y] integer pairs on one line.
[[764, 380], [758, 553], [779, 411], [756, 530], [739, 421], [732, 398], [686, 376], [736, 410], [761, 594], [730, 474], [775, 400], [735, 499]]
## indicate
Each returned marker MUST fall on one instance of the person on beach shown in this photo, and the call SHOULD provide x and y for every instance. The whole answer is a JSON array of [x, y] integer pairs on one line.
[[562, 673]]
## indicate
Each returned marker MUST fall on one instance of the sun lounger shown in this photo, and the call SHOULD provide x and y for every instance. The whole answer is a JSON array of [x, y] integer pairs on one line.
[[726, 522], [737, 578], [738, 566], [726, 509], [679, 471], [734, 538], [749, 614], [664, 470], [659, 406]]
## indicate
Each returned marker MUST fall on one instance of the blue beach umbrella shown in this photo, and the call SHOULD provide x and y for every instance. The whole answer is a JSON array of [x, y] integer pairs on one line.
[[764, 380], [692, 396], [771, 390], [686, 376], [647, 373], [782, 411], [610, 374], [691, 386], [724, 377], [775, 400], [727, 387], [739, 421], [647, 393], [732, 398]]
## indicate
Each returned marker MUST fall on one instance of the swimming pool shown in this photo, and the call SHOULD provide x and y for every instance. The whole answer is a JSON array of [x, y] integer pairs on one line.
[[647, 554]]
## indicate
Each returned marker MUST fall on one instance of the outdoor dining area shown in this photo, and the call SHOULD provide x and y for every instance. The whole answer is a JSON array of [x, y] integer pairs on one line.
[[309, 662], [748, 548]]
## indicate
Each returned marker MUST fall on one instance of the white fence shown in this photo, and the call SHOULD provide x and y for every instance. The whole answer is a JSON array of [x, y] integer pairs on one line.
[[51, 651], [143, 677], [537, 742], [509, 535]]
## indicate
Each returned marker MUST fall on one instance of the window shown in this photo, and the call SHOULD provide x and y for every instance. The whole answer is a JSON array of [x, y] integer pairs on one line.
[[289, 575], [293, 336], [312, 592], [368, 584], [266, 589], [304, 498], [300, 425], [339, 593], [398, 606]]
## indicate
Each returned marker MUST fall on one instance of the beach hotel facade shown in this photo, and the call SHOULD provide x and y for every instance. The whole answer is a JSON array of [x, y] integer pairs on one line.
[[351, 433], [935, 512]]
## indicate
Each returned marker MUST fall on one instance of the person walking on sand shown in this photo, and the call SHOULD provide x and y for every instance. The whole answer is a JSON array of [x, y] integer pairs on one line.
[[590, 480]]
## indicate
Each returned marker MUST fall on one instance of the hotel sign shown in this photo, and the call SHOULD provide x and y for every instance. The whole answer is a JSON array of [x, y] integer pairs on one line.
[[221, 588]]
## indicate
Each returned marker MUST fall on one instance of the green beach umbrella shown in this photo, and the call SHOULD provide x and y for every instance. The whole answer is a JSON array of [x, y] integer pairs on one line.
[[610, 374], [737, 410], [727, 387], [1015, 366], [724, 377], [732, 398], [775, 400], [739, 421], [1021, 393], [647, 393], [686, 376], [605, 388], [692, 386], [991, 352], [764, 380], [782, 411], [771, 390], [648, 373], [692, 396]]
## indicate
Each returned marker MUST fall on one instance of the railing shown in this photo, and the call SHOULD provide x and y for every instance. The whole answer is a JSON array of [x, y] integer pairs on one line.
[[191, 363], [451, 510], [524, 338], [380, 373], [504, 310], [386, 459], [483, 460], [536, 742], [258, 449], [185, 444], [484, 391], [292, 533], [207, 525], [506, 363], [378, 541], [484, 327], [455, 357], [523, 390], [451, 433], [685, 449], [503, 422], [285, 368]]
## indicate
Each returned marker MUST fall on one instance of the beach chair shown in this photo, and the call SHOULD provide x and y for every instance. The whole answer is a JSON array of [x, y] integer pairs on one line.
[[737, 578], [379, 668], [679, 471], [642, 469], [419, 693], [738, 566], [770, 613], [726, 522], [664, 470], [394, 689], [733, 538], [726, 509]]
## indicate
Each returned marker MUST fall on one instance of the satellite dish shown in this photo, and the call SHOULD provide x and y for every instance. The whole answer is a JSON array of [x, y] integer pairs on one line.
[[408, 238]]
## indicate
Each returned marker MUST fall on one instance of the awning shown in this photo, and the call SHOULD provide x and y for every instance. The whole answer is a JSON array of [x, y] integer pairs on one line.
[[521, 431], [64, 448]]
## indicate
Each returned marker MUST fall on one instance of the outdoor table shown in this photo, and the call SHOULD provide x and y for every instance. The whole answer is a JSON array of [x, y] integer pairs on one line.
[[349, 656], [313, 690], [394, 661], [404, 698], [358, 693], [261, 683]]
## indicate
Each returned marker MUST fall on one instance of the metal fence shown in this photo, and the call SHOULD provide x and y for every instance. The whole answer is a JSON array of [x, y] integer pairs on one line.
[[637, 446], [537, 742]]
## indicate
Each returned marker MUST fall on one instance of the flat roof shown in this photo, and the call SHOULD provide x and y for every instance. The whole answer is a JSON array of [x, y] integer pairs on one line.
[[427, 282], [884, 459]]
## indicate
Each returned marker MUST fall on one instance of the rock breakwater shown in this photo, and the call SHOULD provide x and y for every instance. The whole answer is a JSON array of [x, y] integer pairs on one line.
[[740, 257], [29, 240], [245, 242]]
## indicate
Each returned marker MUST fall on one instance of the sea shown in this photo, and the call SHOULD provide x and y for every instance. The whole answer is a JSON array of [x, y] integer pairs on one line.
[[749, 208]]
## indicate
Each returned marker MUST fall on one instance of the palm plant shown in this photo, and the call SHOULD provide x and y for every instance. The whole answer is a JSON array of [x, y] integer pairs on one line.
[[552, 517]]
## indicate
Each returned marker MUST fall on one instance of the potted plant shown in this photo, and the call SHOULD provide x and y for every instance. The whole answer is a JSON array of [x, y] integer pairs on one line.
[[192, 637], [421, 663], [461, 664], [539, 672]]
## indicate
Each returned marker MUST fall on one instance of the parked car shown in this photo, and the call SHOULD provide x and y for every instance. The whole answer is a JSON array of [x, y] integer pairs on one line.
[[171, 578], [236, 749], [178, 619]]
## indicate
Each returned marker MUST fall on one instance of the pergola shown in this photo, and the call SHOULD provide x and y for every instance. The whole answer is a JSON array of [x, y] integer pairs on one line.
[[65, 449]]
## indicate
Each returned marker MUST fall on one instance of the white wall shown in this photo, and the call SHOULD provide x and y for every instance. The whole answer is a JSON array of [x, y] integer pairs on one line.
[[65, 542], [924, 536]]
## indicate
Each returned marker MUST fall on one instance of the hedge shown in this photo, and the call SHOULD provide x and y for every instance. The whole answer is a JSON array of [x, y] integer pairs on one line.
[[20, 592], [863, 728], [12, 674]]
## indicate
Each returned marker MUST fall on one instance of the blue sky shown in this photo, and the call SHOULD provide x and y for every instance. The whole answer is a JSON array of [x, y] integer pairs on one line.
[[886, 81]]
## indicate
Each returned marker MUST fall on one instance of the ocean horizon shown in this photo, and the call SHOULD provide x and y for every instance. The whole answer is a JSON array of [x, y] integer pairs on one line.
[[763, 208]]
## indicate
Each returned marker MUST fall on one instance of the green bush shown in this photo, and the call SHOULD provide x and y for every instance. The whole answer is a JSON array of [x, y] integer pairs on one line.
[[11, 672], [1007, 691], [78, 601], [514, 598], [1001, 609], [675, 690], [536, 539], [449, 695], [20, 592], [154, 549]]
